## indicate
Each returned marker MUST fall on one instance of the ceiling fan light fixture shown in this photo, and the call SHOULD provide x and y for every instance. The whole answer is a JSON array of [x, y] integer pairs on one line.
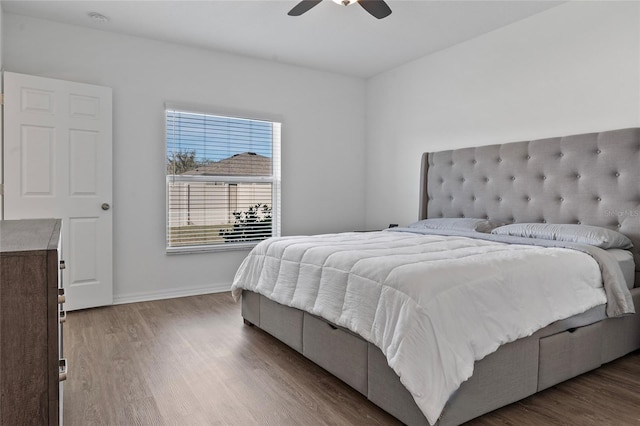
[[345, 2], [98, 18], [376, 8]]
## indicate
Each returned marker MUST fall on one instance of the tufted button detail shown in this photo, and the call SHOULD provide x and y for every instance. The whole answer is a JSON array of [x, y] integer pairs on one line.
[[528, 198], [578, 222], [474, 161], [499, 160], [561, 199], [499, 198], [462, 215], [544, 177], [561, 154], [473, 198], [598, 199], [451, 197], [513, 178], [578, 176], [544, 221], [486, 179], [598, 151], [528, 157], [617, 174], [619, 225]]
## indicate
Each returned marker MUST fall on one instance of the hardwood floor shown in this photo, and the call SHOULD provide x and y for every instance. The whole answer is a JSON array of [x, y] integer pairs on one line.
[[192, 361]]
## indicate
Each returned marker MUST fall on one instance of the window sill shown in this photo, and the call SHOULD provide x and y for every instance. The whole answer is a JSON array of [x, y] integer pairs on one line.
[[170, 251]]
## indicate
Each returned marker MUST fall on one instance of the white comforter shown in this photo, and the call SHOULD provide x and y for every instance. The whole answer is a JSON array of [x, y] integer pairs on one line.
[[433, 304]]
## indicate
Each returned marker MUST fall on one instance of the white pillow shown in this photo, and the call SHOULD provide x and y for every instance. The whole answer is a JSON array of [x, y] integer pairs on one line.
[[460, 224], [583, 234]]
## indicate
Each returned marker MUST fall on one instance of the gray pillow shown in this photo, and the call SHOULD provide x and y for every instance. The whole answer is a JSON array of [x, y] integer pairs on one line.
[[583, 234], [460, 224]]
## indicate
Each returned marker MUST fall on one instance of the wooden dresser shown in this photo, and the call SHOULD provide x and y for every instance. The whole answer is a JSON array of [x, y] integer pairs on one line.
[[31, 296]]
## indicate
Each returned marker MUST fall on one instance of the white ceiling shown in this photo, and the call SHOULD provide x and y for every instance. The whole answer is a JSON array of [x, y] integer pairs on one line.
[[329, 37]]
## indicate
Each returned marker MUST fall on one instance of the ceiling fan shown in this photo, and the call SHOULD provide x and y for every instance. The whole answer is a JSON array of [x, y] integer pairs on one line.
[[377, 8]]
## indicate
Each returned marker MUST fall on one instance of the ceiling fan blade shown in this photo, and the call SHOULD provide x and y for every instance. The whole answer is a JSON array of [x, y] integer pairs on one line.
[[377, 8], [302, 7]]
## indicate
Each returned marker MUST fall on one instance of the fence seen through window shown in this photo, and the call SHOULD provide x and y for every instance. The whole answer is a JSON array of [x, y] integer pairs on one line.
[[223, 180]]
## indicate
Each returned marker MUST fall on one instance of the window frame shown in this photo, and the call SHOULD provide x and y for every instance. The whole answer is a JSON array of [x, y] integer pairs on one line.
[[275, 179]]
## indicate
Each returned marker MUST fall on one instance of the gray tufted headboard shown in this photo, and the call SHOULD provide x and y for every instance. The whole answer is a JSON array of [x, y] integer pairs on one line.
[[592, 179]]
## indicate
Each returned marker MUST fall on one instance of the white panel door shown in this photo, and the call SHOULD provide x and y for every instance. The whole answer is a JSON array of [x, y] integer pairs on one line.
[[57, 163]]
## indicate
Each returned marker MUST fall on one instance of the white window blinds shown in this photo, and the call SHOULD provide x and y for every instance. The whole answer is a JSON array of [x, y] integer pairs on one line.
[[223, 180]]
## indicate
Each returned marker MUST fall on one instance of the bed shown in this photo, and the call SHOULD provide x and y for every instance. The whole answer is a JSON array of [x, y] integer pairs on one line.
[[586, 180]]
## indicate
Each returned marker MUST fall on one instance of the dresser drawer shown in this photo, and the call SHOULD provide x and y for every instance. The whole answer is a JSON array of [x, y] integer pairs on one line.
[[30, 327]]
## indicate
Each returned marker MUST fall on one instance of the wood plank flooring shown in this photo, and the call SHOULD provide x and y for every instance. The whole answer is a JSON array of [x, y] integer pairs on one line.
[[192, 361]]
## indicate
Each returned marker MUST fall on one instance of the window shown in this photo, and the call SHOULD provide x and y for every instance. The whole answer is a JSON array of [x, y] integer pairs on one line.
[[223, 181]]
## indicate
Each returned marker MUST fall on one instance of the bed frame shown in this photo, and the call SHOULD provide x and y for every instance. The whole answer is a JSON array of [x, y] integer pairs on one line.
[[591, 179]]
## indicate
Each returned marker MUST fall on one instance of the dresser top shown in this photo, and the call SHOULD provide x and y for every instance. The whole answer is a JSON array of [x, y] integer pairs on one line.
[[29, 235]]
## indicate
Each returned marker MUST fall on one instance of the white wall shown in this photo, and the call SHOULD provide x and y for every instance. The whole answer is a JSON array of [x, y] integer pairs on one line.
[[1, 44], [1, 129], [571, 69], [322, 141]]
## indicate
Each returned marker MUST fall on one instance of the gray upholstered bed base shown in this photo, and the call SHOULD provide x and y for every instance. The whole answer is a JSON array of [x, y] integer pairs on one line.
[[513, 372], [591, 179]]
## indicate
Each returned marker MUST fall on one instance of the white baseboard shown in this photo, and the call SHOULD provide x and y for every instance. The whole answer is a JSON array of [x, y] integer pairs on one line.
[[169, 294]]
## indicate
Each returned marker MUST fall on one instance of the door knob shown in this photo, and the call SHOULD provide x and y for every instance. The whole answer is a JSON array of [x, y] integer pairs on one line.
[[105, 206]]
